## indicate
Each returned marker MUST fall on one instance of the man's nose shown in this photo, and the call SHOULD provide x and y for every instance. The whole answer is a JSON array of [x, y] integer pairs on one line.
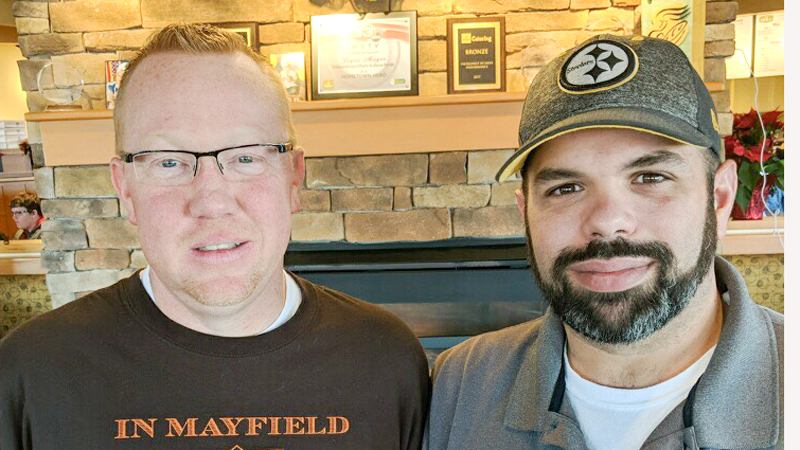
[[211, 195], [609, 216]]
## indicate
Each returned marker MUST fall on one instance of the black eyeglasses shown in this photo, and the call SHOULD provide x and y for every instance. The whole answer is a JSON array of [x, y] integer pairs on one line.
[[178, 167]]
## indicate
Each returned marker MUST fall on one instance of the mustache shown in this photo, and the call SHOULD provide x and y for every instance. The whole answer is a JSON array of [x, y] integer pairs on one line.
[[619, 247]]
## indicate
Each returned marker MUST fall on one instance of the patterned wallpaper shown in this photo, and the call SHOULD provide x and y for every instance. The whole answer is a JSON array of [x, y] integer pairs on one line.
[[764, 277], [22, 297]]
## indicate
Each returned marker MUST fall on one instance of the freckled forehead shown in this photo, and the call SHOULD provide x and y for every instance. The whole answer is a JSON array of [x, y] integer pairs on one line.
[[170, 80], [179, 91]]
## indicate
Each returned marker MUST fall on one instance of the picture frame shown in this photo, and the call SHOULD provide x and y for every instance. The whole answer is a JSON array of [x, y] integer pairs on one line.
[[247, 30], [291, 69], [114, 71], [476, 58], [364, 55]]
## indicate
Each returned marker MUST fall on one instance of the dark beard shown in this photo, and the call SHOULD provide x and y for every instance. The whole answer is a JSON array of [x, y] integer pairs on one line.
[[631, 315]]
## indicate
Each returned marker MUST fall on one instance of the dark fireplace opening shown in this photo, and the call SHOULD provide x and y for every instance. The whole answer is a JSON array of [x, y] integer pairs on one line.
[[446, 291]]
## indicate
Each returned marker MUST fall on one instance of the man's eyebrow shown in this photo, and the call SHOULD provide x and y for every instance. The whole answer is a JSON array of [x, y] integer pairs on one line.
[[659, 157], [548, 175]]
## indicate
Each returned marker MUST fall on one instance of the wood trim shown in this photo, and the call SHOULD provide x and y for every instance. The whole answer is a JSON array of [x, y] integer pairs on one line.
[[8, 35], [26, 260], [77, 143], [763, 224], [316, 105], [753, 237], [26, 246], [22, 266], [715, 86], [66, 116], [327, 105], [484, 121]]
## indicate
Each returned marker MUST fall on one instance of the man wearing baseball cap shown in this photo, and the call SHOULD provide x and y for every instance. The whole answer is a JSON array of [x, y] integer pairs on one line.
[[651, 341]]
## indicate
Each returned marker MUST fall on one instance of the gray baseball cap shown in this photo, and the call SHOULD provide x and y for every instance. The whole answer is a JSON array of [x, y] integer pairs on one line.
[[631, 82]]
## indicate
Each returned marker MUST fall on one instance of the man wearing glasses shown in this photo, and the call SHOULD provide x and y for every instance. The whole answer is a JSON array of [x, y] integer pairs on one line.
[[214, 345], [27, 215]]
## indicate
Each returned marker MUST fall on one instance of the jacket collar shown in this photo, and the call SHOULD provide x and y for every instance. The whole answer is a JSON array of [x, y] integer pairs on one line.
[[533, 388], [737, 402]]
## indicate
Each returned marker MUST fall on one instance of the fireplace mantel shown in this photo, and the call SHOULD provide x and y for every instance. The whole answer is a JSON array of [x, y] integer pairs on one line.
[[328, 128]]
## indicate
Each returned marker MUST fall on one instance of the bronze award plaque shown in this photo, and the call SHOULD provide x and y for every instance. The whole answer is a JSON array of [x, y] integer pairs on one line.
[[370, 55], [476, 55]]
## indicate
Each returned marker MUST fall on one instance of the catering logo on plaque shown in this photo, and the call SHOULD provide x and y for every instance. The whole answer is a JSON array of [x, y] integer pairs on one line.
[[370, 56], [476, 54]]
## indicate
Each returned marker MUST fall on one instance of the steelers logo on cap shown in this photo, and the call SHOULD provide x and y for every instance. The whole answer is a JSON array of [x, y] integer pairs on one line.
[[598, 66]]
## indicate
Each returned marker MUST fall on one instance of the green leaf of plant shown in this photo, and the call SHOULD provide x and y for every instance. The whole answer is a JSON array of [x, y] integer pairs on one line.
[[748, 175], [743, 196], [772, 167]]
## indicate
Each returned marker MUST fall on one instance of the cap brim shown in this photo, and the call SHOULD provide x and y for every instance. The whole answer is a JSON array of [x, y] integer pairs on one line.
[[647, 121]]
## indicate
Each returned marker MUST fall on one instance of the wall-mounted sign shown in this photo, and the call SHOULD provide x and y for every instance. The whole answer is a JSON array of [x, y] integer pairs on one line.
[[738, 65], [671, 20], [759, 45], [768, 44], [476, 55], [371, 55]]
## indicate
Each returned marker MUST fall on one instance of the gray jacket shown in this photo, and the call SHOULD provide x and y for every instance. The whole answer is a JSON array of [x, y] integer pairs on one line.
[[504, 390]]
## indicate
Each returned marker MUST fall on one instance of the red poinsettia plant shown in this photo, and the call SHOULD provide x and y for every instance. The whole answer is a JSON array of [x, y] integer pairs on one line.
[[749, 146]]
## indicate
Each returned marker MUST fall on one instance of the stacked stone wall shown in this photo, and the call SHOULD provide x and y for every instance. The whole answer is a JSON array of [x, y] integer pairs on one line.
[[88, 242], [85, 33]]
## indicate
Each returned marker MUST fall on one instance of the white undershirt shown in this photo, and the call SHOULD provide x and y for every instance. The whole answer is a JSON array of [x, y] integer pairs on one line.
[[290, 305], [622, 419]]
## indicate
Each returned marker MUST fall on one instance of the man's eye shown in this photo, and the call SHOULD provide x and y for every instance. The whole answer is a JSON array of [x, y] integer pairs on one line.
[[564, 189], [244, 159], [168, 163], [649, 178]]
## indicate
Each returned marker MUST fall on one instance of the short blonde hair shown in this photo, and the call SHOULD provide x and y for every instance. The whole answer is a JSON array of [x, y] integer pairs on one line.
[[201, 39]]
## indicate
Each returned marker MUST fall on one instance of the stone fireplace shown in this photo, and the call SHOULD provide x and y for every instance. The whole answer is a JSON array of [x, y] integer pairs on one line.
[[372, 195]]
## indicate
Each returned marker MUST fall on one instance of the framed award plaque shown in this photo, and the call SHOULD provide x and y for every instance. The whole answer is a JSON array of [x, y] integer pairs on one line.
[[370, 55], [476, 57], [247, 30]]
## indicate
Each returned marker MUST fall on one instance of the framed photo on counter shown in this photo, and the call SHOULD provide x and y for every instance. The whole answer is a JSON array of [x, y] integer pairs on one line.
[[476, 58], [370, 55], [291, 68]]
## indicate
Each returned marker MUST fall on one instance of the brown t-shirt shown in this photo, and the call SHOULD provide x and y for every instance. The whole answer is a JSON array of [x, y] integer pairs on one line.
[[111, 371]]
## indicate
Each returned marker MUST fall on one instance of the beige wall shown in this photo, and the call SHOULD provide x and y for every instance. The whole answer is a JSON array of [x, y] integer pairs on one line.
[[770, 94], [13, 106]]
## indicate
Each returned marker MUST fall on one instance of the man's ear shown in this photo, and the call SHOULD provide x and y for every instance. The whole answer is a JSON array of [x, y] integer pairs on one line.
[[520, 195], [725, 185], [298, 175], [121, 185]]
